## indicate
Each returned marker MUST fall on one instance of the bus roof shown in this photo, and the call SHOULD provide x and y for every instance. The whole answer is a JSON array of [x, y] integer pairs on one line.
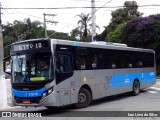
[[22, 41], [98, 44]]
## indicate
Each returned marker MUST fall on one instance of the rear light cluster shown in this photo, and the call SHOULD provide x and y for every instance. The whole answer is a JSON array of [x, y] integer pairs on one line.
[[47, 92]]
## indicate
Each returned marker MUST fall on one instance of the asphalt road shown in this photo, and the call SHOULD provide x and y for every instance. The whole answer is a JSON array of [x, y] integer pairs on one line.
[[147, 100]]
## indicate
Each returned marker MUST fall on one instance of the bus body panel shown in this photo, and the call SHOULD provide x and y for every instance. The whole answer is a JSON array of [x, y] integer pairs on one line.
[[102, 82]]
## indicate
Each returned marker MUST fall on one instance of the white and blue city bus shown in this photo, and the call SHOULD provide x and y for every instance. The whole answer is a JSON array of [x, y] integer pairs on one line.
[[53, 73]]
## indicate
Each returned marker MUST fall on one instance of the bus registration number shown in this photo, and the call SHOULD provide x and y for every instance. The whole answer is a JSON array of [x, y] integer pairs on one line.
[[26, 102]]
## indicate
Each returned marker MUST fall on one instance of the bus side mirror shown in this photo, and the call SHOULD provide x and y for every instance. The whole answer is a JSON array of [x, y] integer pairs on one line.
[[7, 65]]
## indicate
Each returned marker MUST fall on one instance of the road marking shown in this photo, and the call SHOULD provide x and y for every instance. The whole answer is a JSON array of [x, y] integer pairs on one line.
[[155, 88], [152, 92]]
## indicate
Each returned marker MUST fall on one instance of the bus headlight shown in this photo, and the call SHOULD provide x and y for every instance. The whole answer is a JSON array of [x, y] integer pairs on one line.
[[47, 92], [50, 90]]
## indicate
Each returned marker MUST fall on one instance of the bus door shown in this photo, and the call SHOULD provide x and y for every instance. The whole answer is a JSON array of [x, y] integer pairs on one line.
[[64, 73]]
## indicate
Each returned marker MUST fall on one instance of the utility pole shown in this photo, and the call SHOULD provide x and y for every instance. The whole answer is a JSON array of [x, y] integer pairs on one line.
[[1, 46], [50, 21], [93, 19], [3, 96]]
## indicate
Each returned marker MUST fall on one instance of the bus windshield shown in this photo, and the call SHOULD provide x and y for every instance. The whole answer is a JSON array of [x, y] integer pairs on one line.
[[35, 67]]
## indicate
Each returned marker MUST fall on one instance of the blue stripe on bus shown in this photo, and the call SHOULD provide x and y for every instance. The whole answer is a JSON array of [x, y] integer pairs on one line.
[[27, 94], [124, 80], [117, 81]]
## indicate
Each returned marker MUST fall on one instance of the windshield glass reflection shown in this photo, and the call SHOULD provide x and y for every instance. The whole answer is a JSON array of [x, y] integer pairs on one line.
[[32, 67]]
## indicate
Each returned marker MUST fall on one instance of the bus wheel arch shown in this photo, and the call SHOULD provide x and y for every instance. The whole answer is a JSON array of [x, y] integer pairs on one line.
[[136, 87], [84, 97], [88, 88]]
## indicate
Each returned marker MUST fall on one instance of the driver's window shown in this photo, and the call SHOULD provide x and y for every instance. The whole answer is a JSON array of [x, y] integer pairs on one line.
[[64, 63]]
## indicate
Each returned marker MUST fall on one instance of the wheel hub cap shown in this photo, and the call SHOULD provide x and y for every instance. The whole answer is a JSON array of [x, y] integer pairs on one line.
[[82, 97]]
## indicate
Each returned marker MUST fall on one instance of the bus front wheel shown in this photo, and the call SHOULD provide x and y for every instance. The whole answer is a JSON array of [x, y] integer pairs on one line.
[[84, 98], [136, 88]]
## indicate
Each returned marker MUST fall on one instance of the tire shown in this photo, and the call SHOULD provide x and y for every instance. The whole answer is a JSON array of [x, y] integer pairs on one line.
[[136, 88], [84, 98]]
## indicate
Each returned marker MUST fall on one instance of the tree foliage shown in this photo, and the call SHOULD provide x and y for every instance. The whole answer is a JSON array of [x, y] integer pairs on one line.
[[24, 30], [156, 45], [84, 23], [116, 35], [143, 32], [122, 15]]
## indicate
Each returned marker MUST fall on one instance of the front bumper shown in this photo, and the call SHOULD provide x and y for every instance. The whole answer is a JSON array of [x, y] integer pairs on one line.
[[50, 100]]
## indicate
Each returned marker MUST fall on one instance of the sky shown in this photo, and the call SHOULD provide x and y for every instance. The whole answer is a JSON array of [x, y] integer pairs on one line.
[[66, 18]]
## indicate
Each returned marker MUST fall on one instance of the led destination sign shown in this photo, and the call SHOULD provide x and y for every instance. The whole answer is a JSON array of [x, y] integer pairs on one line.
[[30, 45]]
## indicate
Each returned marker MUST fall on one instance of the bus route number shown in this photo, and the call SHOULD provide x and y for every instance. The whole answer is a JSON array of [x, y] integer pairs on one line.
[[27, 46]]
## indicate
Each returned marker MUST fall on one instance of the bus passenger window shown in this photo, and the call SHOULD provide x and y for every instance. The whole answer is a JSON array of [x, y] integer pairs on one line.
[[80, 63], [113, 65], [130, 65], [97, 59], [82, 59], [94, 62], [139, 64], [64, 63]]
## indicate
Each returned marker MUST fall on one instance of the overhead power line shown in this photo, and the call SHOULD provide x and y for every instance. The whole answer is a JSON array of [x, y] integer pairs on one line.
[[70, 24], [104, 5], [85, 7], [22, 14], [50, 21]]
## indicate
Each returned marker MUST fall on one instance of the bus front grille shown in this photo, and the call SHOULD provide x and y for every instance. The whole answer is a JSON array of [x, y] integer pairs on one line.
[[32, 100]]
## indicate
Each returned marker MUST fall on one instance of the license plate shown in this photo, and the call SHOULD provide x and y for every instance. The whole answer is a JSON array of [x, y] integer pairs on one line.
[[26, 102]]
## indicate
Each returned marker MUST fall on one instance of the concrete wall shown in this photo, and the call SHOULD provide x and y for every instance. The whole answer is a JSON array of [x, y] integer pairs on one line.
[[3, 93], [9, 92]]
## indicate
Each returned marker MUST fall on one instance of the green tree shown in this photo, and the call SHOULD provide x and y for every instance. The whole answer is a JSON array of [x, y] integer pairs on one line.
[[156, 46], [27, 29], [122, 15], [60, 35], [76, 33], [116, 35], [84, 28], [84, 23], [144, 32]]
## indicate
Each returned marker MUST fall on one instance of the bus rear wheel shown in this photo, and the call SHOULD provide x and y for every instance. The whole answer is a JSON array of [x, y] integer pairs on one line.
[[136, 88], [84, 98]]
